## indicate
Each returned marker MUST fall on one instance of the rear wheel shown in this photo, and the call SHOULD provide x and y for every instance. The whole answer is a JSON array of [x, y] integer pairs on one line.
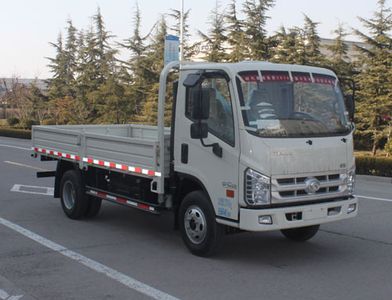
[[199, 230], [301, 234], [74, 201]]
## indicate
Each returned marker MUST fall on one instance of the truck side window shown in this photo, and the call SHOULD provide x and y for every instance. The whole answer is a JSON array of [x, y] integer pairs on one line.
[[221, 122]]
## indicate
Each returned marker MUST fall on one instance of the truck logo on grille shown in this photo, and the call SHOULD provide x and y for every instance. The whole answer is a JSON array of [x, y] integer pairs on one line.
[[312, 185]]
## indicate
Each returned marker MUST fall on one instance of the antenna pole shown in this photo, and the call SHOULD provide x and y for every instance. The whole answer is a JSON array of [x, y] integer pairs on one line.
[[182, 31]]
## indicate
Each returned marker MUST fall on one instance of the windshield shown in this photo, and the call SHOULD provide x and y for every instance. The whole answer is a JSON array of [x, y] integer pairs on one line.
[[283, 104]]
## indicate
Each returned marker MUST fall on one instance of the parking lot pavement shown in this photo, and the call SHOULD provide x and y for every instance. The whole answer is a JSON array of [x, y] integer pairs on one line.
[[127, 254]]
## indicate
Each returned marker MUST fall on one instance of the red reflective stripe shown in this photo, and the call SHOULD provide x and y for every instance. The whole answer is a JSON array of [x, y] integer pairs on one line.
[[102, 195], [143, 206], [100, 162], [122, 200]]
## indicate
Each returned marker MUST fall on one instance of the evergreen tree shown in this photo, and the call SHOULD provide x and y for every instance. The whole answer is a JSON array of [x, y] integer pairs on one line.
[[311, 42], [57, 66], [70, 56], [189, 50], [289, 46], [236, 35], [135, 73], [338, 58], [215, 39], [256, 34], [285, 43], [375, 80], [110, 102], [104, 53], [39, 103], [154, 64], [87, 77]]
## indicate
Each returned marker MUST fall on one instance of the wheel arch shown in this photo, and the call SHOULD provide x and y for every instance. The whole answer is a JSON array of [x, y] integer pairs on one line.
[[185, 184]]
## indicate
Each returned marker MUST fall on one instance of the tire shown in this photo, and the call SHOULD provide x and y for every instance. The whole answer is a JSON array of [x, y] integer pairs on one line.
[[301, 234], [74, 200], [199, 230], [93, 208]]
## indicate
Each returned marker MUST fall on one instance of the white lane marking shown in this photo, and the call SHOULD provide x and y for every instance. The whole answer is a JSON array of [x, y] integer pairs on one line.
[[15, 147], [4, 296], [24, 165], [15, 297], [89, 263], [30, 189], [374, 198]]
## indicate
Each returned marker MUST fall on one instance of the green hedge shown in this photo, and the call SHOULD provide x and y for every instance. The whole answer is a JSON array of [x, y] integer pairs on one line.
[[15, 133], [376, 166], [363, 141]]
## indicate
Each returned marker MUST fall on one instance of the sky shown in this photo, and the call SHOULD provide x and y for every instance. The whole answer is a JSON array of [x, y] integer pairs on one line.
[[27, 26]]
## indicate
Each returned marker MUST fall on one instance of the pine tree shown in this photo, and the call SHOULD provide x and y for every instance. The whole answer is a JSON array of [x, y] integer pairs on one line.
[[87, 77], [57, 66], [189, 50], [236, 35], [39, 103], [136, 68], [154, 63], [110, 102], [215, 39], [256, 34], [105, 54], [70, 56], [312, 42], [375, 80], [284, 46], [338, 58], [289, 46]]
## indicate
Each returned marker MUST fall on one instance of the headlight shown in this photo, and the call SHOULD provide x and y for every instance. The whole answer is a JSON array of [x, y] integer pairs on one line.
[[351, 181], [257, 188]]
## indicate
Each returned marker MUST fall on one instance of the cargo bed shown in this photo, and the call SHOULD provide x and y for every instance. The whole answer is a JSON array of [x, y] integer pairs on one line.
[[124, 148]]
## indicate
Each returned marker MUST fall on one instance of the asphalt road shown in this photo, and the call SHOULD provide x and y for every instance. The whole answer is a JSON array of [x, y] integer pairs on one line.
[[128, 254]]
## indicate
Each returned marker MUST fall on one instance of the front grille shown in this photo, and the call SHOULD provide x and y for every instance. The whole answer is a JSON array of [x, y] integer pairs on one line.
[[292, 189]]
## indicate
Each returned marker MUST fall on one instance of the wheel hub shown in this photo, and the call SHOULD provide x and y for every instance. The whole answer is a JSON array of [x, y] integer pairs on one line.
[[69, 195], [195, 224]]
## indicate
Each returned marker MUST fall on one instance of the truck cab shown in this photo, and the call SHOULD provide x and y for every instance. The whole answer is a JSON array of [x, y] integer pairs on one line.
[[274, 148]]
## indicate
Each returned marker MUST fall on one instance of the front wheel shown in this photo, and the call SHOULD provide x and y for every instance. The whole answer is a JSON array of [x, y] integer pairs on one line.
[[199, 230], [301, 234]]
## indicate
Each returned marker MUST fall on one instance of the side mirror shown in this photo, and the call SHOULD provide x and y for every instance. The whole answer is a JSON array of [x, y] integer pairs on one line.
[[199, 130], [192, 80], [350, 105], [200, 103]]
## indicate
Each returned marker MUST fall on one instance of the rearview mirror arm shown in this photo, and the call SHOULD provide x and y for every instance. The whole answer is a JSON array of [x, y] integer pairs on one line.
[[216, 148]]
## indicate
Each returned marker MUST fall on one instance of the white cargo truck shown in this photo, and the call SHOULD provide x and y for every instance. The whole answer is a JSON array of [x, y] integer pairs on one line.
[[253, 146]]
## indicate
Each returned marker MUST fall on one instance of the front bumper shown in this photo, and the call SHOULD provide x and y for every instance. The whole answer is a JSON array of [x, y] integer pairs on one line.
[[297, 216]]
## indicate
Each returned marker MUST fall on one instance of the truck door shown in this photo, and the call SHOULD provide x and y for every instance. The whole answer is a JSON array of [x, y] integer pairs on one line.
[[219, 175]]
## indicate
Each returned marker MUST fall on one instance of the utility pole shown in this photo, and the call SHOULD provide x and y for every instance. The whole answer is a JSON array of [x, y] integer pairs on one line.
[[182, 32]]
